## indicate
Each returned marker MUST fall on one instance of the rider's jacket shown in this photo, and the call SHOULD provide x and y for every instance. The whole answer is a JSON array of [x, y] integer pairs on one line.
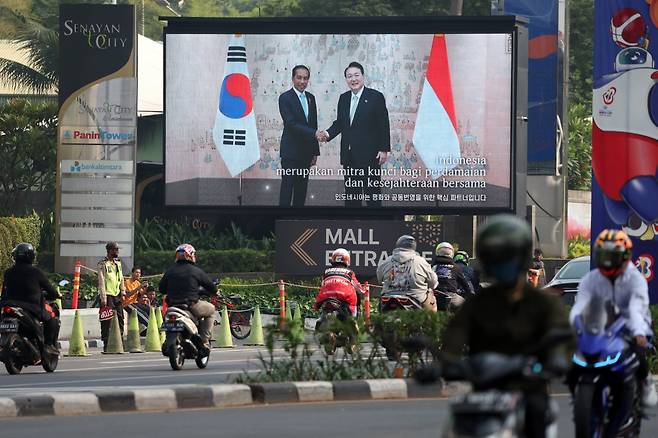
[[23, 285], [451, 277], [340, 283], [629, 292], [181, 283]]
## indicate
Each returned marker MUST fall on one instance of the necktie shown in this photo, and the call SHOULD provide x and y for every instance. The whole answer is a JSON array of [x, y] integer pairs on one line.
[[302, 97], [353, 105]]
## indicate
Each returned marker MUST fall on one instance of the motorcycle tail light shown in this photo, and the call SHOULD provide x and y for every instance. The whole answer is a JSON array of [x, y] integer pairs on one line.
[[172, 317], [385, 299], [7, 309], [404, 301]]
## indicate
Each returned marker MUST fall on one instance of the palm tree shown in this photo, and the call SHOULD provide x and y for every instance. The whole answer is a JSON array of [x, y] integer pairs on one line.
[[38, 39]]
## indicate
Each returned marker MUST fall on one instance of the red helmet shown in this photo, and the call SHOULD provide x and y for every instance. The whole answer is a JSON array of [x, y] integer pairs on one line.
[[340, 256], [612, 250], [186, 252]]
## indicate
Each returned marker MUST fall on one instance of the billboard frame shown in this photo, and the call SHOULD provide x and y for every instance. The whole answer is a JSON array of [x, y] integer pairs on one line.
[[514, 25]]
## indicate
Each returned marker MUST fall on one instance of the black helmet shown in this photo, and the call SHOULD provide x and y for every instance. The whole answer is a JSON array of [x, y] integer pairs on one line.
[[504, 248], [23, 253]]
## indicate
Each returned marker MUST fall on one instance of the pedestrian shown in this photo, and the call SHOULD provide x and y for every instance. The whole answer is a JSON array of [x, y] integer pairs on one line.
[[111, 290], [538, 264]]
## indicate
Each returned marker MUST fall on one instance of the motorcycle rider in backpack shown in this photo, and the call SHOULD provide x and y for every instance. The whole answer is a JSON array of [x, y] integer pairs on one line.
[[183, 283], [340, 282], [510, 317], [406, 272], [23, 287], [616, 278], [450, 276]]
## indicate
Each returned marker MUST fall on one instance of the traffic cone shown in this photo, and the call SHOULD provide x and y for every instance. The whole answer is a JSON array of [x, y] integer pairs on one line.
[[224, 340], [256, 336], [133, 342], [114, 341], [153, 342], [77, 345], [288, 312], [297, 317], [158, 319]]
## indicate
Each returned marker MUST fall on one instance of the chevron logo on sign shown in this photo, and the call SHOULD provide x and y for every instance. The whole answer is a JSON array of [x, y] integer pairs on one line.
[[297, 245]]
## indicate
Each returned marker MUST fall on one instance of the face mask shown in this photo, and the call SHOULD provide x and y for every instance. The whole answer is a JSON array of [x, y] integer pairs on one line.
[[506, 274]]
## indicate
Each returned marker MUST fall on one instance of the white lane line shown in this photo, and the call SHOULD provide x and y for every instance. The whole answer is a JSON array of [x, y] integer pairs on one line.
[[163, 376]]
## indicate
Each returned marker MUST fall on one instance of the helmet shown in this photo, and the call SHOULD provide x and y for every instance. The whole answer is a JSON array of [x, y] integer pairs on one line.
[[23, 253], [186, 252], [340, 256], [461, 257], [444, 249], [612, 250], [503, 248], [406, 241]]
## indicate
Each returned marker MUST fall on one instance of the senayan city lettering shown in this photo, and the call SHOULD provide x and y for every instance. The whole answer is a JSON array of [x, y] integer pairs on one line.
[[99, 36]]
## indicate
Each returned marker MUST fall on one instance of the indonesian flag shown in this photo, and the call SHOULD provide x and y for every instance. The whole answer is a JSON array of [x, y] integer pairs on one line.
[[435, 135], [234, 132]]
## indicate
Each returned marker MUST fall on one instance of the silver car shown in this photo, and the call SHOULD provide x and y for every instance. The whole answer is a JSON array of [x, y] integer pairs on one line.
[[566, 281]]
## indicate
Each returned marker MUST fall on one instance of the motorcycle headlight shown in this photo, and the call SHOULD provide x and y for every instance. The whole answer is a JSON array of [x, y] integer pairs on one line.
[[579, 359]]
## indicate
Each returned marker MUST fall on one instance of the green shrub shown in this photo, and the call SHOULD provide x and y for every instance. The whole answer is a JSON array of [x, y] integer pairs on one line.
[[578, 246], [213, 260], [14, 230]]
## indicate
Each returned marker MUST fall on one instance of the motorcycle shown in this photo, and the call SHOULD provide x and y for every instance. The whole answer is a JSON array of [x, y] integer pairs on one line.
[[336, 326], [487, 410], [390, 303], [182, 339], [22, 342], [607, 394]]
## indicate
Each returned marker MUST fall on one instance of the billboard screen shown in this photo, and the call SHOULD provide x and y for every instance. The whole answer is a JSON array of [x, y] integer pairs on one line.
[[380, 119]]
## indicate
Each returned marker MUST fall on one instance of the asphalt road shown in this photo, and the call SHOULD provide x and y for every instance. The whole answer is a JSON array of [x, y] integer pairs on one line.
[[380, 419], [101, 371]]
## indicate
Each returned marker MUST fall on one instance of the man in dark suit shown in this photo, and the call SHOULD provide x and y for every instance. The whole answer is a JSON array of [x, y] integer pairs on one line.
[[299, 145], [362, 119]]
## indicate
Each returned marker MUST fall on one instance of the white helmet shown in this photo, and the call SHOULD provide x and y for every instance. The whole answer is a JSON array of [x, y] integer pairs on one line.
[[340, 255], [445, 249]]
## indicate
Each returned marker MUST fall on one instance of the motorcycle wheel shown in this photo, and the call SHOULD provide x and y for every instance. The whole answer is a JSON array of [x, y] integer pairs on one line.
[[49, 362], [240, 323], [202, 361], [582, 411], [10, 363], [176, 355]]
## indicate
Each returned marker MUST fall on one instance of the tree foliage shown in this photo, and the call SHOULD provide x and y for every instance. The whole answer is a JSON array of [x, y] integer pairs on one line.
[[579, 153], [581, 35], [28, 137]]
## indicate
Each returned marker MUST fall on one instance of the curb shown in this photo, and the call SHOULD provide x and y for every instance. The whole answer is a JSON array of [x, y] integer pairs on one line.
[[213, 396], [90, 343]]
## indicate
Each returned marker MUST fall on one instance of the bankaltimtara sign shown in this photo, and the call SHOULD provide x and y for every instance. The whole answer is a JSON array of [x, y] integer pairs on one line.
[[304, 247]]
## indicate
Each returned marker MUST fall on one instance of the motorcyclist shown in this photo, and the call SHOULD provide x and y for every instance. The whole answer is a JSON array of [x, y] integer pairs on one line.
[[510, 316], [340, 282], [450, 276], [405, 271], [461, 259], [24, 286], [616, 278], [183, 283]]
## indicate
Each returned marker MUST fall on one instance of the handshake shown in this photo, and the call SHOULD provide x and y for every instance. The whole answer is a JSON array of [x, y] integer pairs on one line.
[[322, 136]]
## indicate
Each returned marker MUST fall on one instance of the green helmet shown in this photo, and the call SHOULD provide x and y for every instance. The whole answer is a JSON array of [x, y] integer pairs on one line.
[[461, 257]]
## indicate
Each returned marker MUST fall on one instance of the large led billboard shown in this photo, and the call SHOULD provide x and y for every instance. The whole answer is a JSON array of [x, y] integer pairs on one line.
[[292, 114]]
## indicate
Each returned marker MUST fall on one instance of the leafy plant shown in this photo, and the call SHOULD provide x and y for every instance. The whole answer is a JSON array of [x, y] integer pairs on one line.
[[578, 246], [579, 154]]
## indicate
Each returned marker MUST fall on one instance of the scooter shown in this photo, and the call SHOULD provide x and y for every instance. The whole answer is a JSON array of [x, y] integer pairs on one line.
[[22, 342], [182, 339], [488, 411], [390, 303], [607, 395], [336, 326]]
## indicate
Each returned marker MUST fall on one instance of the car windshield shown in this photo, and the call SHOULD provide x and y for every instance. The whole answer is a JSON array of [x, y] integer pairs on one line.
[[574, 269]]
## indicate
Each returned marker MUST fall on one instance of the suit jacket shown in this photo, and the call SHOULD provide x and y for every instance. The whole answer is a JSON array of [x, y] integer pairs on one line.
[[370, 130], [298, 140]]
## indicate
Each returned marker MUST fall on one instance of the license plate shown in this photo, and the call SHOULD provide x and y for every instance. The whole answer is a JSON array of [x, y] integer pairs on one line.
[[174, 326], [10, 326]]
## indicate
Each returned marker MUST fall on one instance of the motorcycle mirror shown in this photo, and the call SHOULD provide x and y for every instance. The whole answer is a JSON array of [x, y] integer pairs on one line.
[[63, 282]]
